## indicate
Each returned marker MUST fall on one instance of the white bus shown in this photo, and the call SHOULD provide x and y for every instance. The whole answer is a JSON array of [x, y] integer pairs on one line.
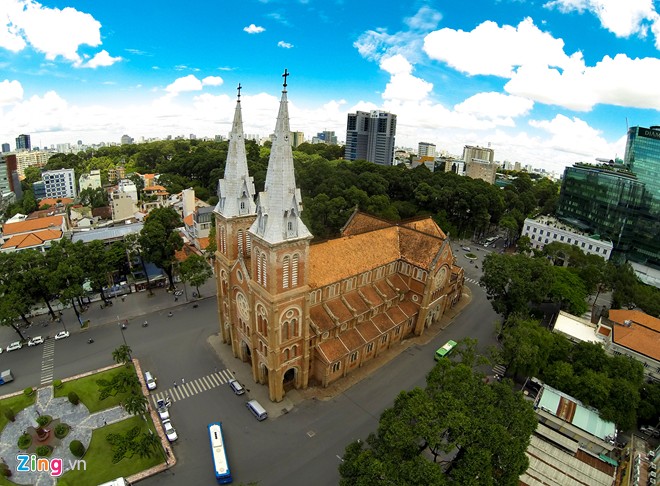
[[219, 454]]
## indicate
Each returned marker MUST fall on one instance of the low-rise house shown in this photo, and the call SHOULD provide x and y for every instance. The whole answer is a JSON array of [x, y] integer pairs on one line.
[[36, 233], [635, 334]]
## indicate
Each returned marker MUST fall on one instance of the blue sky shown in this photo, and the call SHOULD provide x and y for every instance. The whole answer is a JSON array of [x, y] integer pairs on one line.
[[546, 83]]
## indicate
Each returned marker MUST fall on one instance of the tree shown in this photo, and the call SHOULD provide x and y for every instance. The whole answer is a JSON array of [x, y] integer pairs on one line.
[[526, 346], [513, 282], [146, 445], [486, 427], [122, 355], [196, 271], [136, 404], [159, 240], [569, 291]]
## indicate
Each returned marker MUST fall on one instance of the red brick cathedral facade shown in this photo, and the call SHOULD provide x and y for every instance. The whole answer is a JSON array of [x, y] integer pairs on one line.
[[299, 313]]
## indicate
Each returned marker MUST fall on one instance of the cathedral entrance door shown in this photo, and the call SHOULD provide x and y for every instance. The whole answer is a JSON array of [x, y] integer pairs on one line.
[[246, 354], [289, 380]]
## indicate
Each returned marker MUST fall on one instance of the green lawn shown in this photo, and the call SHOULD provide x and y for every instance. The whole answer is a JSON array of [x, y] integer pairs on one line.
[[88, 390], [16, 403], [99, 457]]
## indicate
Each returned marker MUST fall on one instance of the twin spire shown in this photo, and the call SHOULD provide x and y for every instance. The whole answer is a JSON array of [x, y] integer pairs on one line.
[[279, 205]]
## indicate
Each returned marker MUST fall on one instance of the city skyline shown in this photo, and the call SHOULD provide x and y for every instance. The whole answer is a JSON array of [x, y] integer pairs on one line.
[[545, 85]]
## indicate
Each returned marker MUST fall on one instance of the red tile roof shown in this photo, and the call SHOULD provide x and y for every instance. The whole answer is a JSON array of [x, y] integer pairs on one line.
[[641, 336], [368, 330], [332, 350], [31, 240], [352, 339], [321, 319], [29, 225]]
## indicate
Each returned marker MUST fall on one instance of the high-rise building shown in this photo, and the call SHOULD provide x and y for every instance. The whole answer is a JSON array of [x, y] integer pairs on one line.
[[6, 148], [328, 137], [481, 169], [297, 138], [126, 140], [426, 149], [370, 136], [60, 183], [23, 142], [603, 201], [642, 158], [483, 154], [91, 180], [28, 159]]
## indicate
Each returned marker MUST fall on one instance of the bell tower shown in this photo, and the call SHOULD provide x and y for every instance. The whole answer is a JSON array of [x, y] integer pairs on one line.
[[279, 271], [234, 214]]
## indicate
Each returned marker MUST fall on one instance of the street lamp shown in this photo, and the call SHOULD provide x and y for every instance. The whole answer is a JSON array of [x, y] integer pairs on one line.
[[121, 329]]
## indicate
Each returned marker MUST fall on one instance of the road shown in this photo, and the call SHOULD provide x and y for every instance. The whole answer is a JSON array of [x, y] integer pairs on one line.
[[298, 448]]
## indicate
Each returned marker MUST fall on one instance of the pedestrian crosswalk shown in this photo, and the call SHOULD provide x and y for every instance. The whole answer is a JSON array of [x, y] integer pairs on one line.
[[47, 361], [472, 280], [499, 370], [183, 390]]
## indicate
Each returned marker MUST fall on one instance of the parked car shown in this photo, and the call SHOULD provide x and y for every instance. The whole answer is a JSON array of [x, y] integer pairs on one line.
[[466, 248], [162, 406], [35, 340], [62, 335], [15, 345], [236, 387], [170, 432]]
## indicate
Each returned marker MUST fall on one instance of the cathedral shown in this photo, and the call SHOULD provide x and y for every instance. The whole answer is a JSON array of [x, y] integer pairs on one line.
[[307, 314]]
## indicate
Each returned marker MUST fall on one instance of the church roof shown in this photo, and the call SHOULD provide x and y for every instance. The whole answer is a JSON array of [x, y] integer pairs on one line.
[[280, 204], [364, 249], [236, 190]]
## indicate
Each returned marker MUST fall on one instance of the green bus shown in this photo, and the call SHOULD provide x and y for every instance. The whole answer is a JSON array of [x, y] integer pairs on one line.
[[445, 350]]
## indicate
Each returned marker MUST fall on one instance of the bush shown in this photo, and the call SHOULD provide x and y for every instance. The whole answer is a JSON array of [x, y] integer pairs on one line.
[[24, 441], [76, 448], [4, 470], [44, 450], [73, 398], [29, 391], [57, 384], [61, 430], [9, 414], [43, 420]]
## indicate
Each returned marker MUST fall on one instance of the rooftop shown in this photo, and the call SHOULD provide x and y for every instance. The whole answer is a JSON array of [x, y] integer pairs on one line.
[[637, 331]]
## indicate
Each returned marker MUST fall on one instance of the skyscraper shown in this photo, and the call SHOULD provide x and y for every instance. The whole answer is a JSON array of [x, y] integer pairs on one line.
[[642, 157], [370, 136], [426, 149], [23, 142], [5, 148]]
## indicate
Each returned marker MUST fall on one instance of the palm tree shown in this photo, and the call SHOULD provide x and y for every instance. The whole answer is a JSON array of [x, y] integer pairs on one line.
[[126, 381], [146, 445], [136, 404], [122, 354]]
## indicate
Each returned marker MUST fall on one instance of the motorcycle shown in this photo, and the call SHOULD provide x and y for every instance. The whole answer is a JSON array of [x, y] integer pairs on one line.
[[145, 324], [178, 293], [90, 341]]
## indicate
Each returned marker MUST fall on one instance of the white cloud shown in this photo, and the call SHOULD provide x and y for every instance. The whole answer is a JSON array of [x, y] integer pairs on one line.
[[621, 17], [580, 88], [284, 45], [253, 29], [496, 106], [403, 86], [29, 22], [493, 50], [377, 44], [186, 83], [212, 81], [102, 59], [567, 134], [10, 92]]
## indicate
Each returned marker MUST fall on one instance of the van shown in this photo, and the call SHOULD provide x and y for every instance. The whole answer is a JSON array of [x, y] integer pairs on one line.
[[257, 410], [150, 380]]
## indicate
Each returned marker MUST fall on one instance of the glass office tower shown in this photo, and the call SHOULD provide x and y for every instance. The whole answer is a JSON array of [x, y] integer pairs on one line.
[[642, 157], [602, 201]]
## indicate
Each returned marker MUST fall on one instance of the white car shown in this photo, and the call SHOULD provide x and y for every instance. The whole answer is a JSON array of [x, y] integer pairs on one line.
[[62, 335], [162, 406], [169, 430], [15, 345], [35, 340]]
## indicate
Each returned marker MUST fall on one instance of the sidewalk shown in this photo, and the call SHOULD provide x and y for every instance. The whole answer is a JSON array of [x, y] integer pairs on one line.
[[132, 306], [243, 372]]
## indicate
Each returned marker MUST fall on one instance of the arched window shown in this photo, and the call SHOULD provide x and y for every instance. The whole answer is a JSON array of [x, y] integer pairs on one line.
[[294, 270], [294, 351], [286, 354], [285, 272], [248, 241], [285, 331], [223, 239], [262, 321]]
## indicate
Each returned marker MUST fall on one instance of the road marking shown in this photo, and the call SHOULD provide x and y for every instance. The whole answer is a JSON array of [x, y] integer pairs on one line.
[[193, 387], [47, 364]]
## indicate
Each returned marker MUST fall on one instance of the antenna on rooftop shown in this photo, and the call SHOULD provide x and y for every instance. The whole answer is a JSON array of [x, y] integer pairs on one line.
[[626, 124]]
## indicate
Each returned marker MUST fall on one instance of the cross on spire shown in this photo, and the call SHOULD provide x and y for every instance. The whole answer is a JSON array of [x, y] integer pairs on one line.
[[286, 73], [239, 91]]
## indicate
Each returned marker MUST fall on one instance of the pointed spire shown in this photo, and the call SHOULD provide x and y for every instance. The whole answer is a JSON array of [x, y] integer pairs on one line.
[[280, 204], [236, 191]]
